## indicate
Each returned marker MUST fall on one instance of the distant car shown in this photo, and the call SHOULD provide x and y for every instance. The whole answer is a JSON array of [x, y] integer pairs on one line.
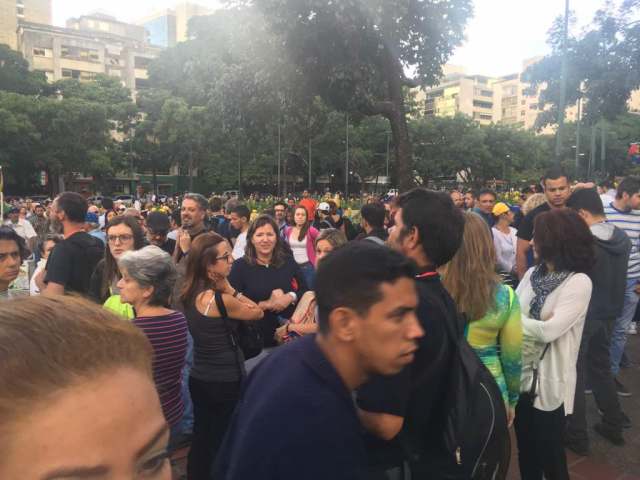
[[96, 200], [231, 194], [126, 199]]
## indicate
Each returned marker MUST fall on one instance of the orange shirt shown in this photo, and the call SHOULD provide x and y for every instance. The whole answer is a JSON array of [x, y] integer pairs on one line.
[[310, 206]]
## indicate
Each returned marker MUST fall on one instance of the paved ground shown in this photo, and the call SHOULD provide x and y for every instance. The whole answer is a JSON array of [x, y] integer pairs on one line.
[[606, 462]]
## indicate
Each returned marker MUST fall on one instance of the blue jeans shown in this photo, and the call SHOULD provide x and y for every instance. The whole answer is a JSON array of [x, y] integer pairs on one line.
[[621, 325], [309, 274], [186, 424]]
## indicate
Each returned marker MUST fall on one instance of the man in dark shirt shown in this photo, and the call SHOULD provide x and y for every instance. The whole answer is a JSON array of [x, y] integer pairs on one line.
[[372, 223], [158, 226], [73, 260], [557, 190], [428, 229], [296, 419], [192, 214], [484, 206]]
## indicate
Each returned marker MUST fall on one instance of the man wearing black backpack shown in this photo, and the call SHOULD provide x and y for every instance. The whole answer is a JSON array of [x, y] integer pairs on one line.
[[407, 413]]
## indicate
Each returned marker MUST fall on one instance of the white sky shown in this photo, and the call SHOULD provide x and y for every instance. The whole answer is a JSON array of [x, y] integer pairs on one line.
[[501, 35]]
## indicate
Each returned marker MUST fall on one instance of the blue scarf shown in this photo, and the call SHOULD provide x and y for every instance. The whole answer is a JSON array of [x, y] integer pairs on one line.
[[543, 283]]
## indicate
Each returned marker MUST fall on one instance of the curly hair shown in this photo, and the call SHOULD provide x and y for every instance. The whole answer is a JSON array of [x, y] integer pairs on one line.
[[562, 239]]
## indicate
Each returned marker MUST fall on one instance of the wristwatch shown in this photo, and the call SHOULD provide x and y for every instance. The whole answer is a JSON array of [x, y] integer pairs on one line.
[[294, 296]]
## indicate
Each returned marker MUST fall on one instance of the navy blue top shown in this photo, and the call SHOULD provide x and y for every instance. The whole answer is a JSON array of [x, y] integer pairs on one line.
[[296, 419]]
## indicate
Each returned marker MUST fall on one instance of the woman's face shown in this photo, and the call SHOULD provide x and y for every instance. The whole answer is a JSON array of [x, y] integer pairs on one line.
[[323, 248], [130, 291], [264, 240], [120, 238], [111, 424], [48, 246], [222, 266], [300, 217]]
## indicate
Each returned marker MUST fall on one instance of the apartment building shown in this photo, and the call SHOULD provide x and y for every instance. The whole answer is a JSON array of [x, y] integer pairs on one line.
[[90, 45], [14, 11]]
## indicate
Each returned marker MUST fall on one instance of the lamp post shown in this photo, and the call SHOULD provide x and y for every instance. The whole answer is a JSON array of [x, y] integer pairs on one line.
[[563, 84], [346, 168]]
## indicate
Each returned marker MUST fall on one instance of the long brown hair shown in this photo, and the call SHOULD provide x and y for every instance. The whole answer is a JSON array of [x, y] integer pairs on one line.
[[305, 228], [280, 249], [111, 271], [203, 253], [470, 277]]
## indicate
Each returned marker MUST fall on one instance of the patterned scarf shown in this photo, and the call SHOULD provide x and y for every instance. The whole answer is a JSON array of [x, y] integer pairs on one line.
[[543, 283]]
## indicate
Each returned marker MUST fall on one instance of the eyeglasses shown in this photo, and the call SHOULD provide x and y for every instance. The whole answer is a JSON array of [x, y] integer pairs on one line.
[[122, 209], [121, 238], [160, 233], [226, 257]]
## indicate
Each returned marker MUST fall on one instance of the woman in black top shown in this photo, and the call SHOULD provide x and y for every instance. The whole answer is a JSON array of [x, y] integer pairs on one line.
[[268, 275], [218, 365]]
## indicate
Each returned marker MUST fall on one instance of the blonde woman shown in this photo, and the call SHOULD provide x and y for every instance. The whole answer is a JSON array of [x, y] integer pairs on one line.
[[492, 309]]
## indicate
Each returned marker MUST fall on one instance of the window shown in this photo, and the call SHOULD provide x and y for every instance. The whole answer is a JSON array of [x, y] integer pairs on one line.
[[67, 73], [141, 83], [42, 52], [522, 113], [533, 106], [141, 62], [78, 74], [480, 104], [79, 53]]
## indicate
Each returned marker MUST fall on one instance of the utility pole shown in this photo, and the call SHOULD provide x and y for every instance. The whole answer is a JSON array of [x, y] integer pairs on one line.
[[278, 193], [603, 145], [346, 168], [578, 136], [388, 140], [309, 165], [563, 84]]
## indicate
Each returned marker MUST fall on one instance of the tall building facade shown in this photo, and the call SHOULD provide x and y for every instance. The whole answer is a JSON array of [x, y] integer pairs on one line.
[[91, 45], [12, 12], [170, 26]]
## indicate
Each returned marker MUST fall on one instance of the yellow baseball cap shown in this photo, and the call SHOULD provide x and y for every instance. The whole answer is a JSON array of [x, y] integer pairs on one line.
[[500, 208]]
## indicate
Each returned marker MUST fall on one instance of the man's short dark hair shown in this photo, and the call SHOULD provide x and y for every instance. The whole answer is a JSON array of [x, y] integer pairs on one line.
[[9, 234], [73, 205], [215, 204], [586, 199], [630, 186], [198, 198], [487, 191], [242, 211], [439, 223], [554, 173], [280, 203], [350, 277], [107, 203], [374, 214]]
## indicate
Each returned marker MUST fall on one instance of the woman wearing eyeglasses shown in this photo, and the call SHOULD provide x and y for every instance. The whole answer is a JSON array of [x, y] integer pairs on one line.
[[213, 308], [123, 234]]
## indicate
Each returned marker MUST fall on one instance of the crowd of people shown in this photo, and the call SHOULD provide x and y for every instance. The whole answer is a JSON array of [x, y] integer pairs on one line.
[[296, 343]]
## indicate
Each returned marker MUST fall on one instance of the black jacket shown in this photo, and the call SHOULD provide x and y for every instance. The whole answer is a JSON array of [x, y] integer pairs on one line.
[[609, 274]]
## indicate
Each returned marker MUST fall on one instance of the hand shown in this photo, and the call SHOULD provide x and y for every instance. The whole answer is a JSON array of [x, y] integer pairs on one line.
[[511, 415], [281, 333], [277, 302], [184, 240]]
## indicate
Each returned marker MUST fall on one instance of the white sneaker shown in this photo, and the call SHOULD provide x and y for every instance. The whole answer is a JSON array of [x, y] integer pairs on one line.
[[633, 329]]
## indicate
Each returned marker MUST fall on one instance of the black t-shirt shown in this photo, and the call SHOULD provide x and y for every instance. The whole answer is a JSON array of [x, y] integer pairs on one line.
[[258, 281], [169, 246], [525, 230], [417, 393], [73, 261]]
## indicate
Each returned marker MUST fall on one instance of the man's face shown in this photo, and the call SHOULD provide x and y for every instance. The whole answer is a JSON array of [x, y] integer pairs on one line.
[[557, 191], [56, 217], [128, 441], [486, 202], [457, 199], [386, 336], [279, 212], [157, 237], [291, 202], [305, 194], [396, 236], [469, 201], [631, 201], [39, 212], [14, 217], [9, 261], [237, 221], [191, 213]]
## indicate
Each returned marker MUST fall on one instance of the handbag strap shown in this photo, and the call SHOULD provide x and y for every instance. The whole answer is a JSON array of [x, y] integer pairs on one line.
[[217, 297], [534, 380]]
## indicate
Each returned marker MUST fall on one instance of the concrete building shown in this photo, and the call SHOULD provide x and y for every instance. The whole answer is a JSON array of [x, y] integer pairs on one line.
[[94, 44], [471, 95], [170, 26], [14, 11]]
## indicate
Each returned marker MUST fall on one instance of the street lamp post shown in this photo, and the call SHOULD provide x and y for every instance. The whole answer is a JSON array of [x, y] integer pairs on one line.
[[563, 84], [346, 168], [388, 140], [279, 154]]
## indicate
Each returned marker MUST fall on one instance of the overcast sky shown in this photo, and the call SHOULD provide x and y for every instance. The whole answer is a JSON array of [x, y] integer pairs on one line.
[[501, 35]]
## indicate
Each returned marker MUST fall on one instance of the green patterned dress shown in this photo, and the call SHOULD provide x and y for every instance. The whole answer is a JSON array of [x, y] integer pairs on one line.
[[497, 339]]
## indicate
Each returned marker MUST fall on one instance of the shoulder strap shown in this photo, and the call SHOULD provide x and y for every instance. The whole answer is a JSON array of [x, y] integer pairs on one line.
[[217, 296], [375, 240], [206, 311]]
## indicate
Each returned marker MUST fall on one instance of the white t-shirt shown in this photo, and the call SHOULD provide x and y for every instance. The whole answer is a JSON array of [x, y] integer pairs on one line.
[[238, 248], [22, 228], [505, 248], [299, 249]]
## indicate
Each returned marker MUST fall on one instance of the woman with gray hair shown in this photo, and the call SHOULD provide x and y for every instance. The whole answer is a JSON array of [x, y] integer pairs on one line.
[[148, 276]]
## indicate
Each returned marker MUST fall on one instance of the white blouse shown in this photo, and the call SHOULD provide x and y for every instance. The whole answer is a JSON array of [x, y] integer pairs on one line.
[[561, 326], [505, 245]]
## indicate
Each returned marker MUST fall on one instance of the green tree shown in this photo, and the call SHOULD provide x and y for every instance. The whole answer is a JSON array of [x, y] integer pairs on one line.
[[16, 77], [356, 54]]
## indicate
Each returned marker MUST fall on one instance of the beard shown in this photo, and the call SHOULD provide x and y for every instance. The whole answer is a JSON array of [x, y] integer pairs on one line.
[[56, 226]]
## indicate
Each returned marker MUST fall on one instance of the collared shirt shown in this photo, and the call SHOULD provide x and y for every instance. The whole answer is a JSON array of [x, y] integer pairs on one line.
[[295, 420], [629, 221], [22, 228]]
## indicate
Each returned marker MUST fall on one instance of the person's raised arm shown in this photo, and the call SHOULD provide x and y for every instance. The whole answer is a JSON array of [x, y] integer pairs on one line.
[[242, 308]]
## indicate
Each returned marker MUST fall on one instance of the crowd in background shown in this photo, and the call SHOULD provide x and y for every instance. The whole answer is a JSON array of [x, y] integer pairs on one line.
[[544, 293]]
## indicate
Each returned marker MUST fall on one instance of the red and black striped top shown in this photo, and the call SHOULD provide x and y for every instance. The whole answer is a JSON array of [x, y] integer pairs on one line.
[[168, 337]]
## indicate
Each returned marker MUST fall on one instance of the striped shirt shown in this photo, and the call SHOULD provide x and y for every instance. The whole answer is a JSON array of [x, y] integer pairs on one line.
[[168, 337], [629, 222]]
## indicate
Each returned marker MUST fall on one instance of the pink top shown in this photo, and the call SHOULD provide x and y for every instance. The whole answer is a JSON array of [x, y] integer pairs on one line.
[[312, 234]]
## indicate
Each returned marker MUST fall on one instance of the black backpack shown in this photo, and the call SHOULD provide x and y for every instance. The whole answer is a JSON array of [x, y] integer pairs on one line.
[[476, 435]]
